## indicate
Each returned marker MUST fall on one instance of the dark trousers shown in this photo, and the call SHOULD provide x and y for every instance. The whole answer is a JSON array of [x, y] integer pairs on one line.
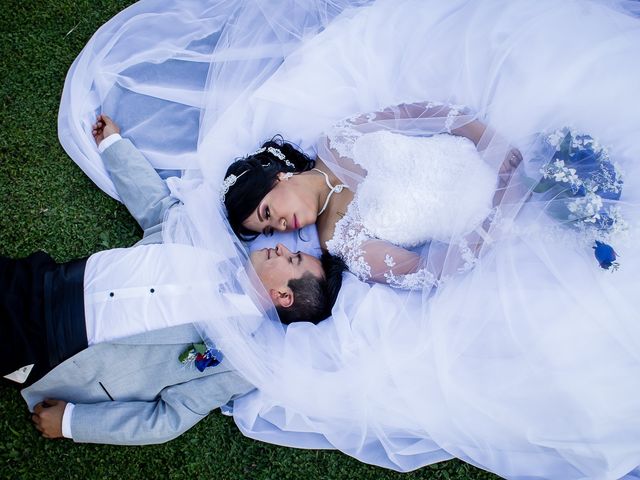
[[41, 313]]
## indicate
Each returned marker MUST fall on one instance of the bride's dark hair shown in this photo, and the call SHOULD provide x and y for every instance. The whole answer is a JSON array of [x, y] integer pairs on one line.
[[261, 176]]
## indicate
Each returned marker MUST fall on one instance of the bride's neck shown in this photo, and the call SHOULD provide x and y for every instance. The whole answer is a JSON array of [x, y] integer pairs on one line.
[[320, 165], [316, 182], [329, 183]]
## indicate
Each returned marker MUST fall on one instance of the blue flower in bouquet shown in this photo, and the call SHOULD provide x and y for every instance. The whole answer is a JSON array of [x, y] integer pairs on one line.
[[609, 181], [582, 184], [584, 154]]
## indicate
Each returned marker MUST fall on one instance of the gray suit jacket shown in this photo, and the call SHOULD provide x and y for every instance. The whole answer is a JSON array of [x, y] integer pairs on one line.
[[134, 391]]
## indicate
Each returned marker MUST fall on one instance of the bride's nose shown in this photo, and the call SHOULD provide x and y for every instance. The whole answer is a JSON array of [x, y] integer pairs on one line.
[[282, 224]]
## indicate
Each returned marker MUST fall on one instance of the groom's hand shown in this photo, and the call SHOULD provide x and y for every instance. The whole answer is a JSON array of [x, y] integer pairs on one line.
[[47, 417], [103, 127]]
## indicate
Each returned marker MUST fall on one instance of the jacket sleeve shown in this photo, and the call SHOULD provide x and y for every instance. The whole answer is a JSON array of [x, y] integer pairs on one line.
[[140, 187], [176, 409]]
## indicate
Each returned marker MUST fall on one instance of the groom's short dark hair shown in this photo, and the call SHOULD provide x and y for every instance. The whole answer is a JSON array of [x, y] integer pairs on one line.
[[314, 297]]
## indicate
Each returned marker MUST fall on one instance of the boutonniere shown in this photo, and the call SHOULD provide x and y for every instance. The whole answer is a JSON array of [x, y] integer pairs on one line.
[[201, 356]]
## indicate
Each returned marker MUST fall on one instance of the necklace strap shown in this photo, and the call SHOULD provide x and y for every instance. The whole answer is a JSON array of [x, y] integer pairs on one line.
[[337, 189]]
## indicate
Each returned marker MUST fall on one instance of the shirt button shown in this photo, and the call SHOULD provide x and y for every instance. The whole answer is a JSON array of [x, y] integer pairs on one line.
[[152, 290], [111, 294]]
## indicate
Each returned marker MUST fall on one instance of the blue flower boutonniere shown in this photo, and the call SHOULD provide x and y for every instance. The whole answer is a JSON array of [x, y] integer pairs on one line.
[[201, 356]]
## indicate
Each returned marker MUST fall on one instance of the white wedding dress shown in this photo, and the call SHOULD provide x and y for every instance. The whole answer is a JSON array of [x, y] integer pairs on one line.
[[521, 356], [417, 190]]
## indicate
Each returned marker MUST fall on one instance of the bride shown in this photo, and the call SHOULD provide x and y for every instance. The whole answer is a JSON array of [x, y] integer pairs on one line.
[[523, 360], [410, 189]]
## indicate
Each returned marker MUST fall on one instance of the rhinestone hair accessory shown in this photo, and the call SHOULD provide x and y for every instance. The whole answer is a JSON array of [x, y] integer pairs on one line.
[[228, 183], [276, 153]]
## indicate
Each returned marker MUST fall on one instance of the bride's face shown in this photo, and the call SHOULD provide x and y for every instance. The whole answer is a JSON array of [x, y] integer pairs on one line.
[[289, 205]]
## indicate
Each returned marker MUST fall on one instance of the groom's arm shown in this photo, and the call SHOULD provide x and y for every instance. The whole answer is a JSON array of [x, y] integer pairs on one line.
[[141, 189], [177, 409]]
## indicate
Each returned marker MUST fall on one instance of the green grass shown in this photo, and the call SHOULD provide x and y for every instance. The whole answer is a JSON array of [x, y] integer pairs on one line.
[[47, 203]]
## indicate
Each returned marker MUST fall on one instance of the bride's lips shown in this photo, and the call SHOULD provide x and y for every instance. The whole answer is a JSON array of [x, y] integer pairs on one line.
[[295, 222]]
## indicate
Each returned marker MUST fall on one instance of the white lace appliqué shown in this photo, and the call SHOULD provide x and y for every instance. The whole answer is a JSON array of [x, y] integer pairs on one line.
[[343, 136], [347, 243], [410, 281], [454, 111]]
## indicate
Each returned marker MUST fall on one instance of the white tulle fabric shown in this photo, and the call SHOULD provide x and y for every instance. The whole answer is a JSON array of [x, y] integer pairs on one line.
[[527, 364]]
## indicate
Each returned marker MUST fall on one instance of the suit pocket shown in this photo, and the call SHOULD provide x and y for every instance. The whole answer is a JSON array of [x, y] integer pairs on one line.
[[105, 390]]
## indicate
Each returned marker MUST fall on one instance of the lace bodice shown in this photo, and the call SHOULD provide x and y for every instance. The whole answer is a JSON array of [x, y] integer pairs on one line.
[[413, 211], [421, 188]]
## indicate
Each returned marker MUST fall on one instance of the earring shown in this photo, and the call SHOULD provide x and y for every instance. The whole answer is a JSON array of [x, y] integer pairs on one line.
[[287, 175]]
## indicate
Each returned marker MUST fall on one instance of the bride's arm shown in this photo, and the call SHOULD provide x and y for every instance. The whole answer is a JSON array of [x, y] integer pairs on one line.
[[418, 117], [455, 119], [379, 261], [383, 262]]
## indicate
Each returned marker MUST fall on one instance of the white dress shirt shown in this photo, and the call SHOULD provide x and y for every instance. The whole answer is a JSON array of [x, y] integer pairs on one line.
[[107, 142], [149, 287], [134, 290]]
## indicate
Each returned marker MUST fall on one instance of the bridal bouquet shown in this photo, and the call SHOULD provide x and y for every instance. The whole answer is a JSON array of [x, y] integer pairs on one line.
[[582, 185]]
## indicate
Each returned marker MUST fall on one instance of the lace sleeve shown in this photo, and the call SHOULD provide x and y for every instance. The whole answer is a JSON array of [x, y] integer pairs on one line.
[[444, 118], [335, 147], [374, 260]]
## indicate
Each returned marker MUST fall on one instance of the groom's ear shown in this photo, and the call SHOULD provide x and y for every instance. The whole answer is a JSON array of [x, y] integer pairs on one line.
[[282, 297]]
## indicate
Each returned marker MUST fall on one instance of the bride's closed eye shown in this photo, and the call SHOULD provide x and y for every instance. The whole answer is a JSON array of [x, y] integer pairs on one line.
[[266, 215]]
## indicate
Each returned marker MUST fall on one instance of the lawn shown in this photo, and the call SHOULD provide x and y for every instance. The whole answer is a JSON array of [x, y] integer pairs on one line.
[[47, 203]]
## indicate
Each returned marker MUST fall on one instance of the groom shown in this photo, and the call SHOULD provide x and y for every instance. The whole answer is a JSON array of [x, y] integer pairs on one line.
[[129, 386]]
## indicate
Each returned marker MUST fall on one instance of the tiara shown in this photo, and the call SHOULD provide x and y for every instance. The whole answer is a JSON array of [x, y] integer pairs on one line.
[[228, 183], [276, 153]]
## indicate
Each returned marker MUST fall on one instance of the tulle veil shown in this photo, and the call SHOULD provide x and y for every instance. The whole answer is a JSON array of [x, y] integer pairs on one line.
[[496, 367]]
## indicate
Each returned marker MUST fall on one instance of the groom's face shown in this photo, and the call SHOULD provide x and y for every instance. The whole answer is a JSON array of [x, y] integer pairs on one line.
[[276, 266]]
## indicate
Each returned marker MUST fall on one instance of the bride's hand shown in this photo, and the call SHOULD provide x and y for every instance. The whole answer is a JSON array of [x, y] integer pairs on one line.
[[509, 192], [512, 159], [103, 127]]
